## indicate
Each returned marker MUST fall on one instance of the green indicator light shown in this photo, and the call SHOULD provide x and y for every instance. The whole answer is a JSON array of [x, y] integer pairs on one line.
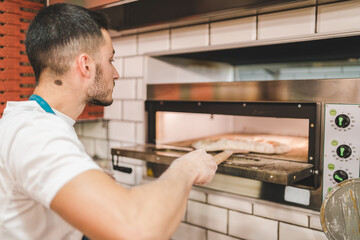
[[333, 112], [338, 178], [331, 166], [342, 151], [340, 121], [329, 189], [334, 143]]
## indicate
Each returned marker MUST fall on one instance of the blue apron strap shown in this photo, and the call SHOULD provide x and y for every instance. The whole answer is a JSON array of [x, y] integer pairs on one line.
[[43, 104]]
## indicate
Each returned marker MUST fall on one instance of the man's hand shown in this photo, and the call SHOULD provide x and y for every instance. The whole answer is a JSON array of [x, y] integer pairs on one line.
[[199, 164]]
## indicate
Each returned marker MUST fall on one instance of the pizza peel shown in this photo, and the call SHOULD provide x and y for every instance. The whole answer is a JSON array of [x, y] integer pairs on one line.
[[219, 158], [225, 154]]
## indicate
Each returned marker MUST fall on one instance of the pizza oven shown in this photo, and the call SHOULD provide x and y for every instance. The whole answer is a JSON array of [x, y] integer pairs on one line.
[[314, 118]]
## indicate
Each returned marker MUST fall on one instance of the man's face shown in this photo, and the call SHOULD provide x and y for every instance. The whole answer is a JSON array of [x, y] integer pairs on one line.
[[100, 92]]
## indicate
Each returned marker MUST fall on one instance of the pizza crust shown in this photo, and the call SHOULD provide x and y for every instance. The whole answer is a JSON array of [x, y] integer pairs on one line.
[[238, 144]]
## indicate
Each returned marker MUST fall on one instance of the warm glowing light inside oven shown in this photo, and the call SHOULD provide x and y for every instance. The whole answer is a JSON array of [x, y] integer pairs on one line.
[[175, 127]]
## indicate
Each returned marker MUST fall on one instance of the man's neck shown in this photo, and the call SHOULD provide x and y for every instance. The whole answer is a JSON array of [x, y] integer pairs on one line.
[[65, 101]]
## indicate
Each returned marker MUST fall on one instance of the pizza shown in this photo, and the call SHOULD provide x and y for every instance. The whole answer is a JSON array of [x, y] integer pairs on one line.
[[242, 144]]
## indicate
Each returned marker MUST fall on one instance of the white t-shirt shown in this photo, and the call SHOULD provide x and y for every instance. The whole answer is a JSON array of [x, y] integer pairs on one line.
[[39, 153]]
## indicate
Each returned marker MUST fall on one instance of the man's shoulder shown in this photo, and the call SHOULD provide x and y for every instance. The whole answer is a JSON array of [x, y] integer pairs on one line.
[[25, 128], [21, 115]]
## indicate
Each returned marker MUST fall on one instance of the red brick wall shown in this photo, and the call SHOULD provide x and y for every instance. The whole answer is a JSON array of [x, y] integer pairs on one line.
[[17, 80]]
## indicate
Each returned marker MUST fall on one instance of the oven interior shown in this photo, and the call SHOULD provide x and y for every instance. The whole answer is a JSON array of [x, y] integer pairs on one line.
[[182, 123], [173, 127]]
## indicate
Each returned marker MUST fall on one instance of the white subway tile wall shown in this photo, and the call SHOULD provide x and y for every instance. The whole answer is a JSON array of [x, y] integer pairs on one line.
[[202, 212], [125, 89], [96, 148], [292, 232], [342, 16], [102, 148], [230, 202], [140, 133], [139, 171], [213, 215], [180, 71], [154, 41], [133, 110], [140, 89], [315, 222], [207, 216], [233, 31], [115, 144], [281, 214], [252, 227], [187, 232], [125, 46], [133, 66], [197, 195], [122, 131], [287, 24], [114, 111], [190, 37], [218, 236], [95, 130]]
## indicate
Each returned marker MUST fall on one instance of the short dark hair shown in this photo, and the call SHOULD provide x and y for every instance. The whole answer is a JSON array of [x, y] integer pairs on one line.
[[59, 32]]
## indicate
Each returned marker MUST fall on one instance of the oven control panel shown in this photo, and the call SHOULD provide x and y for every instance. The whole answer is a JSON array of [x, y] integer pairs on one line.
[[341, 144]]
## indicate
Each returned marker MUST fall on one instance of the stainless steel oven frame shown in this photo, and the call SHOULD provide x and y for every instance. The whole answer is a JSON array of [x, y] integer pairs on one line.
[[289, 99]]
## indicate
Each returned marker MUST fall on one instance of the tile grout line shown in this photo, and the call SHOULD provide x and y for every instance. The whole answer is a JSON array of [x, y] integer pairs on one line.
[[228, 222], [252, 214], [278, 231]]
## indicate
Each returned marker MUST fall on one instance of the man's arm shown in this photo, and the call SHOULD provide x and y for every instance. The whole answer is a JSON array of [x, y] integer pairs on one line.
[[93, 203]]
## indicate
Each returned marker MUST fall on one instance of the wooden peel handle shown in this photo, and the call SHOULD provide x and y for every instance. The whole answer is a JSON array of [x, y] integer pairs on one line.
[[220, 157]]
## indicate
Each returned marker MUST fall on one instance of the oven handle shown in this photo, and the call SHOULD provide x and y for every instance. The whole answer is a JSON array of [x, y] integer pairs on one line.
[[123, 169]]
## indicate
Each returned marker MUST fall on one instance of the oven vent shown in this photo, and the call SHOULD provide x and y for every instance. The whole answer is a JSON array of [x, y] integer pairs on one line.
[[157, 14]]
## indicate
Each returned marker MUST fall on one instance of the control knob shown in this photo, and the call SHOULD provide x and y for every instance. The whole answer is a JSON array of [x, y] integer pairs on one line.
[[342, 121], [344, 151], [340, 176]]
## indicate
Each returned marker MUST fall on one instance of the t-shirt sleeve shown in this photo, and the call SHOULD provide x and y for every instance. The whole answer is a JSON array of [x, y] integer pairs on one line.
[[47, 155]]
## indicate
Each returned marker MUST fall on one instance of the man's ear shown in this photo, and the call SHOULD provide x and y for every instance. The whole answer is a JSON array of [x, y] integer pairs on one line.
[[85, 64]]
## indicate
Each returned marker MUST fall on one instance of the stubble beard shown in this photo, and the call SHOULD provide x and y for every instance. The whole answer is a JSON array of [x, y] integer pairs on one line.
[[98, 94]]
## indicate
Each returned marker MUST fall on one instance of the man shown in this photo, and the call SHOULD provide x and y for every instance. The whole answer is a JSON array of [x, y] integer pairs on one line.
[[49, 187]]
